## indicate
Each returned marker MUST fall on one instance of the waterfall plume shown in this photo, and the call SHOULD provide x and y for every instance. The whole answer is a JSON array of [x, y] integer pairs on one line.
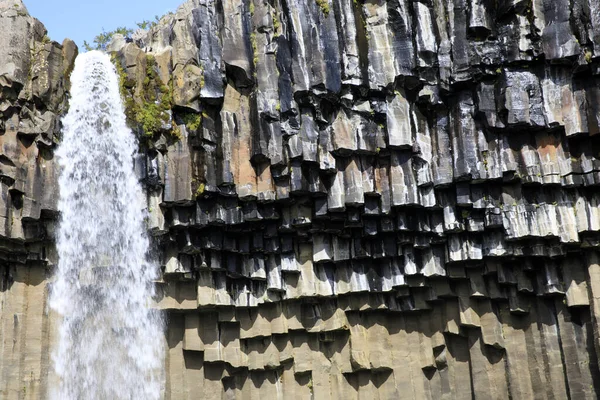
[[109, 338]]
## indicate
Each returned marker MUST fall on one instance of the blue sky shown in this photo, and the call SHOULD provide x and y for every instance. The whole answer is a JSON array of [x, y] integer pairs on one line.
[[82, 19]]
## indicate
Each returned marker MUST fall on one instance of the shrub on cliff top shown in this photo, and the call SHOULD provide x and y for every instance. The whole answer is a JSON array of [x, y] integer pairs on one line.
[[102, 40]]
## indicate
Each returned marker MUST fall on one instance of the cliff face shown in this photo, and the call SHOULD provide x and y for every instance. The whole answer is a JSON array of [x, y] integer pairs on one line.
[[33, 82], [350, 199]]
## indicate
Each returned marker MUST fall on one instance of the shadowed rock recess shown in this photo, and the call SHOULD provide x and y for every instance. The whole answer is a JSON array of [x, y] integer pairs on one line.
[[350, 199]]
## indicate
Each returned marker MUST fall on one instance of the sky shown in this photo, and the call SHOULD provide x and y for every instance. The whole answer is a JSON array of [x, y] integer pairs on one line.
[[82, 20]]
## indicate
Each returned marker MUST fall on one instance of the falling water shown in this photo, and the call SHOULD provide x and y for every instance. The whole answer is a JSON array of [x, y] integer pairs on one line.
[[109, 340]]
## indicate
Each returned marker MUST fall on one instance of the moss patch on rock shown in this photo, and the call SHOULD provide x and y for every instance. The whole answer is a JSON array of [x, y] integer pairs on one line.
[[192, 121], [324, 6], [147, 107]]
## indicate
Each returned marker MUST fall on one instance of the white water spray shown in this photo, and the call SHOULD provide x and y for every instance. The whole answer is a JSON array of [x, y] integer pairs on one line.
[[110, 344]]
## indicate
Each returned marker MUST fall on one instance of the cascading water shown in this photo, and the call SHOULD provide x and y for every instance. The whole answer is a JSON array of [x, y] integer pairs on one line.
[[109, 340]]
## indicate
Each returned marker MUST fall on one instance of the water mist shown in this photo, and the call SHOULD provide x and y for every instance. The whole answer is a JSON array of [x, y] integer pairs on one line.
[[109, 339]]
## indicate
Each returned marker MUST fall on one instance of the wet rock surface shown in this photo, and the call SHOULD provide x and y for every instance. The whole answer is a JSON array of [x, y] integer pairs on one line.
[[386, 199]]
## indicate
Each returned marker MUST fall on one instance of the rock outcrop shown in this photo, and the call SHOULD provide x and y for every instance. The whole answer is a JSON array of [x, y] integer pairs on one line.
[[34, 82], [349, 199]]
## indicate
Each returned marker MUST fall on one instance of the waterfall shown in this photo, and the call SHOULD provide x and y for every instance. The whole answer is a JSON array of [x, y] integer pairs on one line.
[[110, 340]]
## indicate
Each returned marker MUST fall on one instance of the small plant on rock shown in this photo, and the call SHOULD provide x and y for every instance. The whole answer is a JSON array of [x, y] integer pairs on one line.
[[324, 6]]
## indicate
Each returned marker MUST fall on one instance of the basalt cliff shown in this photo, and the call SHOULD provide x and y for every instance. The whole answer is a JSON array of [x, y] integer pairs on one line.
[[349, 199]]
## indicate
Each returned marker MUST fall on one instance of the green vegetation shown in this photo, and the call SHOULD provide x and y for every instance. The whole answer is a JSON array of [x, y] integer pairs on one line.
[[200, 190], [254, 47], [102, 40], [192, 121], [20, 13], [202, 79], [254, 52], [146, 24], [147, 106], [157, 99], [324, 6], [126, 86], [276, 23], [310, 385], [175, 133]]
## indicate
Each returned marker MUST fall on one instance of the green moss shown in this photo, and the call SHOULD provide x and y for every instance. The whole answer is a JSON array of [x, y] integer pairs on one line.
[[200, 190], [254, 47], [125, 89], [175, 133], [276, 23], [324, 6], [251, 8], [192, 121], [588, 56], [254, 52], [149, 106], [148, 116], [156, 100]]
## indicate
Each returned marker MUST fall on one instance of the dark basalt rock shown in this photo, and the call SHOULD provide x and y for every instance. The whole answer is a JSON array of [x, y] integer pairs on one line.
[[378, 199]]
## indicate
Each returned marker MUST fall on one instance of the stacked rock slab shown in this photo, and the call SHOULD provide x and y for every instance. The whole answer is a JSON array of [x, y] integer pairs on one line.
[[382, 199]]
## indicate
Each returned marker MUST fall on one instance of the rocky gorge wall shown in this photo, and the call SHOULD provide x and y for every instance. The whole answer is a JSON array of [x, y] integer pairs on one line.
[[348, 198]]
